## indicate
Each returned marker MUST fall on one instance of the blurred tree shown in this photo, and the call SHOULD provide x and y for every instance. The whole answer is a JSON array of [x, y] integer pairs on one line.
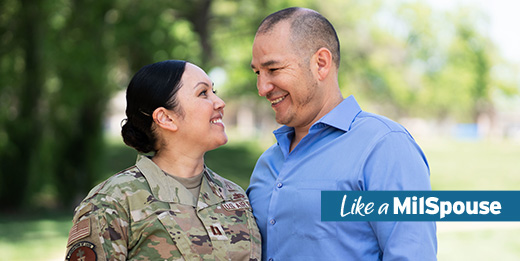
[[61, 60], [460, 81], [150, 31], [470, 53], [59, 70], [21, 80], [77, 106], [411, 60], [56, 81]]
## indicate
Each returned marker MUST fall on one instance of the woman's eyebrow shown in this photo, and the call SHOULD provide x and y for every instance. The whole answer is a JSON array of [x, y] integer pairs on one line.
[[203, 83]]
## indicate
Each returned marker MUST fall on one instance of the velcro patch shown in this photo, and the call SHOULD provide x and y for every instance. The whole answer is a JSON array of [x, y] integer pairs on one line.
[[238, 196], [83, 251], [229, 206], [229, 187], [84, 210], [80, 230]]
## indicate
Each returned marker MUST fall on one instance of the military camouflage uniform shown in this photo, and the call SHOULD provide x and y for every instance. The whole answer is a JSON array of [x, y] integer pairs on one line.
[[141, 214]]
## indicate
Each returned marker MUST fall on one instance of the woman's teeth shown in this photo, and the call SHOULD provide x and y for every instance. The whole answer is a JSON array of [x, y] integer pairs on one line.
[[216, 121]]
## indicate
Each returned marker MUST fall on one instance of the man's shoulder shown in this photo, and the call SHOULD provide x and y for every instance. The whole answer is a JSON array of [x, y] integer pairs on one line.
[[272, 151], [377, 122]]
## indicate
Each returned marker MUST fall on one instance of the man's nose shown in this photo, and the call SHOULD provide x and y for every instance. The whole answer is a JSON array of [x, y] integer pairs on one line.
[[264, 85]]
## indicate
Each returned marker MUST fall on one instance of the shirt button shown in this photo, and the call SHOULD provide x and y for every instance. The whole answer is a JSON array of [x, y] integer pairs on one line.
[[270, 259], [279, 185], [272, 221]]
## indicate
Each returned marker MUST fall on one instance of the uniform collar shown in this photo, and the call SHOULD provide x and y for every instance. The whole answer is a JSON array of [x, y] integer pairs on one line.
[[170, 190]]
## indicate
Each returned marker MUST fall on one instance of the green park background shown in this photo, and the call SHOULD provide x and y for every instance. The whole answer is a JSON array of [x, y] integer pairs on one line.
[[63, 63]]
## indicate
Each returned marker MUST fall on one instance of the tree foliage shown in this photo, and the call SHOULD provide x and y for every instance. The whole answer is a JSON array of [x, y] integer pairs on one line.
[[62, 60]]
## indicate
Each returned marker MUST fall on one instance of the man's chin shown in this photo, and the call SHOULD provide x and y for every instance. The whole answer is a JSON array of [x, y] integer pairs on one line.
[[283, 120]]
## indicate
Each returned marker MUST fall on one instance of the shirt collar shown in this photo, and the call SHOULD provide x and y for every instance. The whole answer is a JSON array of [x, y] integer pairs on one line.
[[170, 190], [341, 117]]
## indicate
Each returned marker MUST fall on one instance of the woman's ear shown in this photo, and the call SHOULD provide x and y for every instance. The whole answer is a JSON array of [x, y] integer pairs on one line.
[[323, 62], [164, 119]]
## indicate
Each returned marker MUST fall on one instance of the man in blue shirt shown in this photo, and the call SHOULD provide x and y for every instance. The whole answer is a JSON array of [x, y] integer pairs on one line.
[[326, 143]]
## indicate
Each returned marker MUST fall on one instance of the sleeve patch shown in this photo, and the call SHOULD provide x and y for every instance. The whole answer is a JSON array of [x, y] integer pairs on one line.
[[82, 251], [80, 230]]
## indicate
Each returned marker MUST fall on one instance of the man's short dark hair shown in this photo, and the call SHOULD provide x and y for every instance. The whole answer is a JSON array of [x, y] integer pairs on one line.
[[310, 31]]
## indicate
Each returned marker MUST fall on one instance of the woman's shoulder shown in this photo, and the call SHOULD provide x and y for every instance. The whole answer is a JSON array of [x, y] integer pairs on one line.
[[118, 185]]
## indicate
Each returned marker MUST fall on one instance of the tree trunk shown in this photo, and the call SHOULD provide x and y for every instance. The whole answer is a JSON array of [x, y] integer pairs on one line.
[[24, 129]]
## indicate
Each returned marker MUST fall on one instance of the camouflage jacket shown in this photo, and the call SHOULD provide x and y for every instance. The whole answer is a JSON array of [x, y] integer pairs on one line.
[[141, 214]]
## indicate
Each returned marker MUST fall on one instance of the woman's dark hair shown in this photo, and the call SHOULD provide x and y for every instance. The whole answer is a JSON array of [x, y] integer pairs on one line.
[[153, 86]]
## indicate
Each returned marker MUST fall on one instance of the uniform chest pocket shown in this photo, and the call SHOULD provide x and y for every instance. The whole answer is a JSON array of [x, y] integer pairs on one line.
[[234, 221], [212, 232], [186, 231]]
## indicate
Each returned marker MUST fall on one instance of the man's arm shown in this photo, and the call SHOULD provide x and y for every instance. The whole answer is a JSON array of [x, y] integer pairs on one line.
[[397, 163]]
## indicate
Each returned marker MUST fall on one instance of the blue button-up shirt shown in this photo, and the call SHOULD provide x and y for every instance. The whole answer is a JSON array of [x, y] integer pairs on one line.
[[347, 149]]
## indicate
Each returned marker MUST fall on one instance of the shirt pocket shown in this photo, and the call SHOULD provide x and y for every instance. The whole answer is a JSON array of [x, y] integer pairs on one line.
[[307, 209]]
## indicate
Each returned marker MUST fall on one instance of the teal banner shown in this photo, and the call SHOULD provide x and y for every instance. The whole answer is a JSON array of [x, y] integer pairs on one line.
[[420, 205]]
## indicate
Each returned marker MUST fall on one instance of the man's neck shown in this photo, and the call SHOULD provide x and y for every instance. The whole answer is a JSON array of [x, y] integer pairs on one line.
[[301, 132], [298, 136]]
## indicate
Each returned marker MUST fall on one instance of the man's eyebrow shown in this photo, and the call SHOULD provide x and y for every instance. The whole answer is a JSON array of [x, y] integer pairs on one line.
[[266, 64]]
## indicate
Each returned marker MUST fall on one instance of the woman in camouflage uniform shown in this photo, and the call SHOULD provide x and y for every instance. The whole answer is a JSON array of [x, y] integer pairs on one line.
[[169, 206]]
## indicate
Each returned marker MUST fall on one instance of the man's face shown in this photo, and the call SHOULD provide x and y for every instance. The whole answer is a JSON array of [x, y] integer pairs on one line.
[[285, 78]]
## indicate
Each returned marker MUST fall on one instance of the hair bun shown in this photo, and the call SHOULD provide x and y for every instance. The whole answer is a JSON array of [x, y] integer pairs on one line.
[[153, 86], [136, 138]]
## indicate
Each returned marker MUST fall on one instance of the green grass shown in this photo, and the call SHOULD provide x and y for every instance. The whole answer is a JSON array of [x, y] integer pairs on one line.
[[34, 237], [454, 166], [485, 165], [478, 241]]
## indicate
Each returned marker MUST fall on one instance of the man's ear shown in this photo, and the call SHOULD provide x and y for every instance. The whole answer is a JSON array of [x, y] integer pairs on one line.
[[164, 119], [323, 62]]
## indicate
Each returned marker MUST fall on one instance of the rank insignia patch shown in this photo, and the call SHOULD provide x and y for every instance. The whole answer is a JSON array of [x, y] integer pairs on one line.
[[82, 251], [216, 232]]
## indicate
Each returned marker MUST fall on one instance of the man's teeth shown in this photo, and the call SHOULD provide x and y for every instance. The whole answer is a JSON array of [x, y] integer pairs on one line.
[[217, 121], [277, 100]]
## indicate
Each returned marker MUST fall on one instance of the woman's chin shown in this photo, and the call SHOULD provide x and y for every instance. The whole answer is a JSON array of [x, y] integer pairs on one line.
[[220, 142], [224, 140]]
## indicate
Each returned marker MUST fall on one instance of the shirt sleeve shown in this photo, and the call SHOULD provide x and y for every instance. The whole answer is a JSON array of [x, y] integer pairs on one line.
[[103, 229], [397, 163]]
